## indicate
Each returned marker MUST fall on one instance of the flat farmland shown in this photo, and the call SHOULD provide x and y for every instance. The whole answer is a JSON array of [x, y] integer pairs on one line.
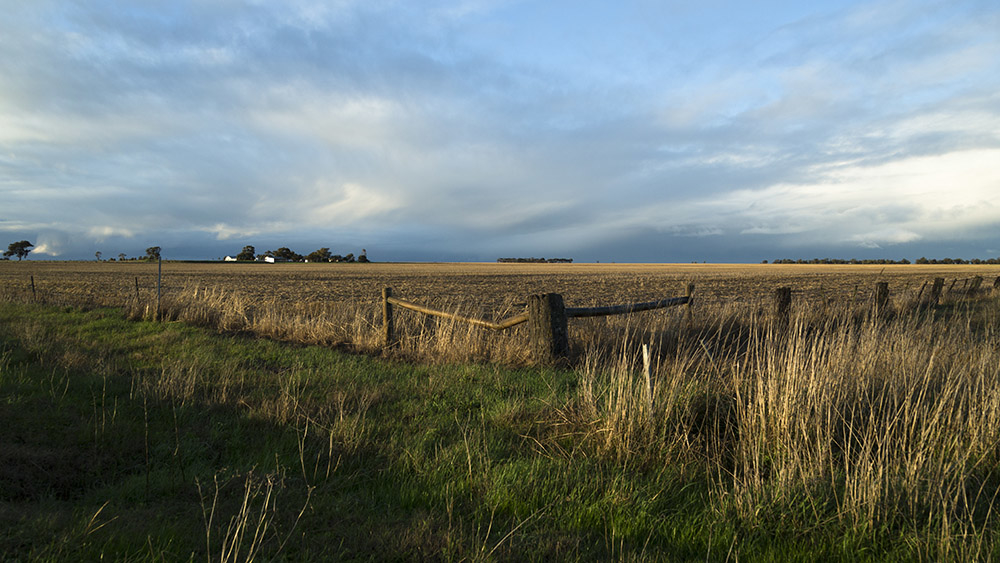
[[478, 286], [723, 431]]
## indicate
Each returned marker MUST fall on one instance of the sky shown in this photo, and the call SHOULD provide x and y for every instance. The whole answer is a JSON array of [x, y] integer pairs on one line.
[[469, 130]]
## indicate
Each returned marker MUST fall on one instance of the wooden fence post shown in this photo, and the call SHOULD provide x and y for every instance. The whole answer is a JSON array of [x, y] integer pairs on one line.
[[974, 287], [783, 305], [547, 328], [920, 293], [935, 298], [388, 338], [881, 295]]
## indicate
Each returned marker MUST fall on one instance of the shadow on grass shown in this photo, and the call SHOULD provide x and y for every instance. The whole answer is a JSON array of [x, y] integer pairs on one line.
[[156, 441]]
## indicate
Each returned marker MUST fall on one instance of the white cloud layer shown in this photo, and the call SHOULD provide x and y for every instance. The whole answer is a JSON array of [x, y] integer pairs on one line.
[[900, 201]]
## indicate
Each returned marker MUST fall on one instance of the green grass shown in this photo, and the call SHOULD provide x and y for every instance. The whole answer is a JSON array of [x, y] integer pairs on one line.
[[130, 440]]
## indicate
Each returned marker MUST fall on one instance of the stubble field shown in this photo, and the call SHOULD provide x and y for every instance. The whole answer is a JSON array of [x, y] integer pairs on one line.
[[340, 304], [484, 286]]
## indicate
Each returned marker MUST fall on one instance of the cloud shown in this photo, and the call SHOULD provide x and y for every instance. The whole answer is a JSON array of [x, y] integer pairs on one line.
[[52, 243], [492, 125], [102, 233], [890, 236], [223, 231], [44, 248], [354, 203], [906, 200]]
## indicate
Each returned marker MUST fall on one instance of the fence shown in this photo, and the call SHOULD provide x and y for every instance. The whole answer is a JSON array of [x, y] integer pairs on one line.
[[880, 296], [547, 317]]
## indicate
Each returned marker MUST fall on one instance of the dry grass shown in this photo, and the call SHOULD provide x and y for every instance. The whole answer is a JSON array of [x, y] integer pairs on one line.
[[872, 421], [338, 304], [486, 286]]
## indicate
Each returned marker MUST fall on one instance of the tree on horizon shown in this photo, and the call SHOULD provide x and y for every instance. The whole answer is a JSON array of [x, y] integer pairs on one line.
[[249, 253], [19, 249]]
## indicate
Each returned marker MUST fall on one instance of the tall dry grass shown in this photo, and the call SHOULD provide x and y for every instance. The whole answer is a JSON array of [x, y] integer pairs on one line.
[[874, 422], [353, 325], [870, 420]]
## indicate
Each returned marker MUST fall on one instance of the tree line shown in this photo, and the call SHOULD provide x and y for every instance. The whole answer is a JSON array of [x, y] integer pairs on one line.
[[534, 260], [838, 261], [285, 254], [885, 261], [21, 249], [152, 254]]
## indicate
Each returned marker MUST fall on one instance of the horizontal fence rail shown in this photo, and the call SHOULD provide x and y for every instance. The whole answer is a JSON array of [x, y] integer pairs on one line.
[[572, 312], [625, 309], [546, 316], [502, 325]]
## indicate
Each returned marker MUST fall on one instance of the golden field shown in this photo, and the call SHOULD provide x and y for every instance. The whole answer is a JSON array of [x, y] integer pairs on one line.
[[484, 286], [340, 304]]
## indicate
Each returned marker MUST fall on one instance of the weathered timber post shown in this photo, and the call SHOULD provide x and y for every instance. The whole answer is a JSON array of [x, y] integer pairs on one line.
[[974, 287], [388, 338], [921, 292], [881, 296], [547, 328], [782, 305], [935, 298]]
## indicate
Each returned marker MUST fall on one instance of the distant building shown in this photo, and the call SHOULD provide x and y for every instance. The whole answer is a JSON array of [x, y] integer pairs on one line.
[[229, 259]]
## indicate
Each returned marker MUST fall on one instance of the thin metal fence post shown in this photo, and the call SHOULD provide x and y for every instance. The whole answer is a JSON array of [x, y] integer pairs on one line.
[[159, 277]]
